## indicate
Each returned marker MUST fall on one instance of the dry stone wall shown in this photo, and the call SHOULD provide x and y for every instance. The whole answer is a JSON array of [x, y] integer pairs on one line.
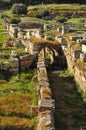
[[18, 63], [46, 105], [73, 56]]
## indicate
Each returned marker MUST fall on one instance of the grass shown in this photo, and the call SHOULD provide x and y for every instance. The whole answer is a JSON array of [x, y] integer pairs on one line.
[[3, 33], [1, 24], [26, 18], [77, 20], [16, 97], [3, 38], [43, 41], [69, 102], [58, 7]]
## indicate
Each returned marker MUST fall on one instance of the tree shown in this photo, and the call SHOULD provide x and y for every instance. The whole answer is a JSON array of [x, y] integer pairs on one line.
[[19, 9]]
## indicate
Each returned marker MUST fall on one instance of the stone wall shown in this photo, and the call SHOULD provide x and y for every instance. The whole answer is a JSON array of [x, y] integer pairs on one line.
[[77, 65], [18, 63], [46, 105]]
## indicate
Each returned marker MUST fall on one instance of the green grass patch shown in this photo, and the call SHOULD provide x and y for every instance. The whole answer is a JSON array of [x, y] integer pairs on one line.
[[16, 97], [3, 38], [36, 19], [70, 102]]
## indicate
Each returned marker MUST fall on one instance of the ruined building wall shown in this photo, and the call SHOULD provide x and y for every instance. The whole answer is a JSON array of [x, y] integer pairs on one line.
[[79, 73], [46, 106]]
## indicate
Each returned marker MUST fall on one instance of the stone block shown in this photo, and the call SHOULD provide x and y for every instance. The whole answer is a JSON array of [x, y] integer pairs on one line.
[[5, 66], [45, 93], [14, 70], [84, 48], [46, 121], [14, 63], [83, 57], [74, 38], [46, 104], [76, 54]]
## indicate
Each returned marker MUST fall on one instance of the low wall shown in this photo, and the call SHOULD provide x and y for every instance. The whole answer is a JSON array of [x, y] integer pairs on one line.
[[46, 105], [78, 69]]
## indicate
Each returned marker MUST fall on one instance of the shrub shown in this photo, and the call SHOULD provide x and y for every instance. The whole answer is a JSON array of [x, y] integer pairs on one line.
[[46, 13], [61, 19], [19, 9], [15, 20]]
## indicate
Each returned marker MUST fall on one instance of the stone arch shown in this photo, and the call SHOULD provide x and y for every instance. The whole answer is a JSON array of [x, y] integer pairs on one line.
[[53, 48], [54, 60]]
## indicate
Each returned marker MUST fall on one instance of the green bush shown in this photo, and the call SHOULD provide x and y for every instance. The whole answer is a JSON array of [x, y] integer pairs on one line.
[[15, 20], [19, 9], [46, 13], [61, 19]]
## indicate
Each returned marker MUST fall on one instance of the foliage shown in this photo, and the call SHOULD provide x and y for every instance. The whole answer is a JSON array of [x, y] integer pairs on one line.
[[9, 123], [41, 41], [14, 20], [61, 19], [32, 2], [19, 9], [3, 37], [46, 13], [3, 33]]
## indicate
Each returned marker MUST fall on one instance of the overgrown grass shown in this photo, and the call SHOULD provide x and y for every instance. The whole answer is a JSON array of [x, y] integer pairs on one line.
[[3, 33], [58, 7], [16, 97], [69, 102], [3, 38]]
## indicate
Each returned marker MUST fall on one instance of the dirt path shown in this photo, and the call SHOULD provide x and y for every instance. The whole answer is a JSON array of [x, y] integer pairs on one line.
[[70, 112]]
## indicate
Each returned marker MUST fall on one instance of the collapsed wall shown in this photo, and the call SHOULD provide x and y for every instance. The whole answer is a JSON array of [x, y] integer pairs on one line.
[[46, 106]]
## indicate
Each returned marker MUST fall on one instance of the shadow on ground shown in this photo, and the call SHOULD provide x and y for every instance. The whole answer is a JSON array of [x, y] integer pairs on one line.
[[70, 112]]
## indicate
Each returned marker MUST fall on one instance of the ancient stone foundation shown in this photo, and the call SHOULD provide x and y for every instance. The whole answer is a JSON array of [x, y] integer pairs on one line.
[[46, 105], [77, 66]]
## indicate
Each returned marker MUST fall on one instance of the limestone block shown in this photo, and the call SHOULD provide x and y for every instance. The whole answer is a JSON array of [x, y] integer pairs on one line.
[[84, 48], [83, 57], [59, 29], [20, 35], [83, 79], [14, 70], [45, 104], [74, 38], [14, 63], [13, 54], [65, 29], [44, 83], [46, 121], [45, 93]]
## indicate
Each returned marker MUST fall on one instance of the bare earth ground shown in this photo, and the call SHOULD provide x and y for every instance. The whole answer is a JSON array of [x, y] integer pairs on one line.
[[70, 109]]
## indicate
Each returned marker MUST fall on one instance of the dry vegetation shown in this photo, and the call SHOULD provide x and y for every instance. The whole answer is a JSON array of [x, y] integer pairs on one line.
[[42, 41], [16, 98]]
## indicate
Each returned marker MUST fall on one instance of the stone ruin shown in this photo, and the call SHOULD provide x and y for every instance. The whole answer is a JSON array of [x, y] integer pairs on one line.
[[18, 63], [63, 28], [24, 30], [75, 59], [46, 105]]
